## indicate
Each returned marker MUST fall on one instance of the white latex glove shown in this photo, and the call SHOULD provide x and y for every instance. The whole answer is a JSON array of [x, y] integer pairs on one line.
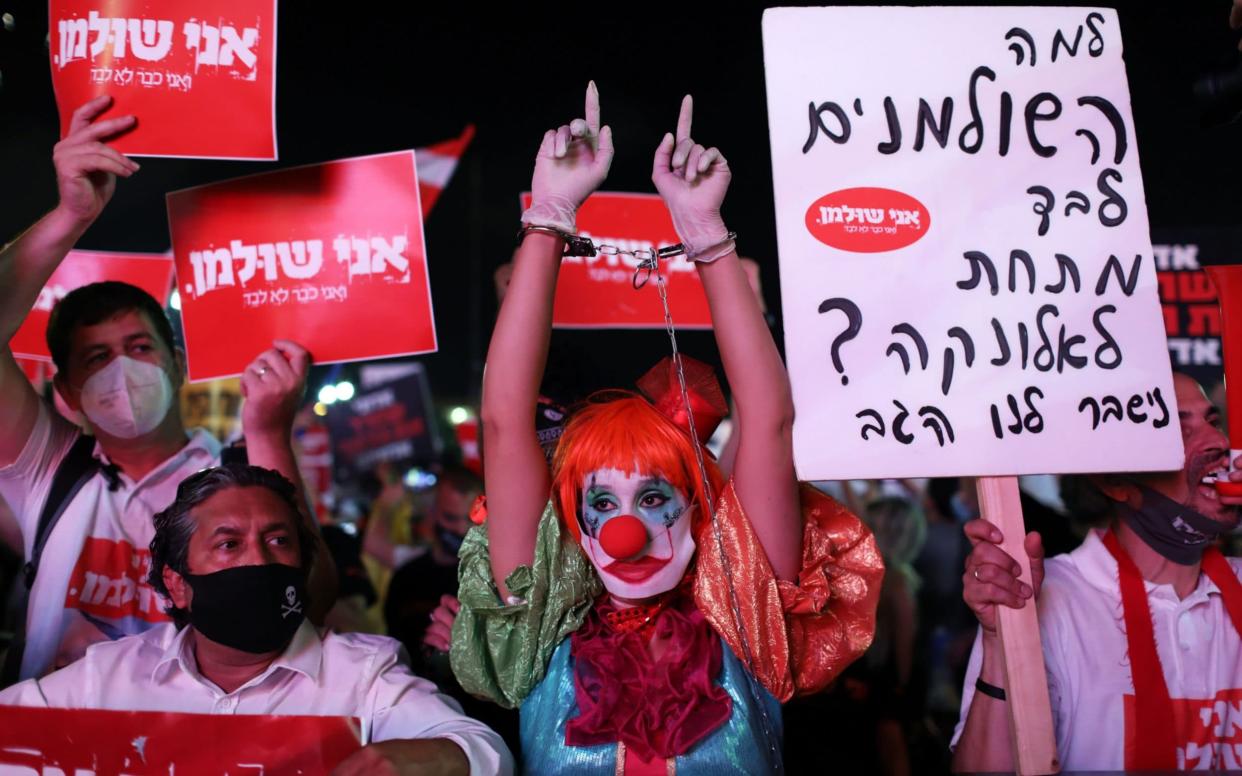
[[693, 181], [572, 162]]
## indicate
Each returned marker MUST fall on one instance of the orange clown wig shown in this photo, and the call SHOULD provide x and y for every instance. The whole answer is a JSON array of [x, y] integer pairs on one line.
[[630, 435]]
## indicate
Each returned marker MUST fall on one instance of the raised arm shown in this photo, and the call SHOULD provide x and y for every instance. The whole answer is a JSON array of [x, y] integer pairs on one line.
[[86, 171], [693, 181], [572, 162], [273, 386], [990, 581]]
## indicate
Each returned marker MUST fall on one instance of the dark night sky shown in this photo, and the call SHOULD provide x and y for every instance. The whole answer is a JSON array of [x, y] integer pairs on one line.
[[354, 80]]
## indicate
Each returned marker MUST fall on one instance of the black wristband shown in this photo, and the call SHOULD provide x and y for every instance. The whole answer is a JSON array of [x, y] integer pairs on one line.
[[990, 690]]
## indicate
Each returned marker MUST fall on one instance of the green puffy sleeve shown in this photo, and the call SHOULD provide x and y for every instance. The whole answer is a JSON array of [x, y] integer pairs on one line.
[[500, 651]]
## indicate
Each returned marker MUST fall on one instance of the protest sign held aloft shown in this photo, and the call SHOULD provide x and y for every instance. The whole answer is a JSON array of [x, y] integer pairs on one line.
[[200, 76], [152, 272], [967, 277], [597, 292], [387, 420], [330, 254]]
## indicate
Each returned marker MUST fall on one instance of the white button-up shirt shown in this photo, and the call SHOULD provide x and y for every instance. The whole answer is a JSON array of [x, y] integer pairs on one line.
[[1086, 655], [346, 675]]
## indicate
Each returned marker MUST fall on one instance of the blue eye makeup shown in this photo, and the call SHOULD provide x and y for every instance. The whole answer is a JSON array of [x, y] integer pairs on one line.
[[653, 499]]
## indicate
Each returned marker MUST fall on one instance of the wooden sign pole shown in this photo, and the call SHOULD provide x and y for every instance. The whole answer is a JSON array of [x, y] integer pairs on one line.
[[1026, 684]]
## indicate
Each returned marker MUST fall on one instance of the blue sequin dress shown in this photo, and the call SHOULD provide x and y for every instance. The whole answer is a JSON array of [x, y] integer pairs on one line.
[[738, 746]]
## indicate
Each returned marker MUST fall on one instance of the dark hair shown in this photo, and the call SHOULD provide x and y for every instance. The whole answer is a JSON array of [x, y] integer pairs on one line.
[[170, 547], [459, 478], [1085, 503], [95, 303]]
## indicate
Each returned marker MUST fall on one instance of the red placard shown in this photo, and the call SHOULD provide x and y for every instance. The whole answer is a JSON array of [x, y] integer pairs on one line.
[[149, 271], [598, 292], [329, 255], [151, 742], [200, 76]]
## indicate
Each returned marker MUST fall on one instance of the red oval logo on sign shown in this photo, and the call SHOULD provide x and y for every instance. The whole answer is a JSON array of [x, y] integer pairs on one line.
[[867, 220]]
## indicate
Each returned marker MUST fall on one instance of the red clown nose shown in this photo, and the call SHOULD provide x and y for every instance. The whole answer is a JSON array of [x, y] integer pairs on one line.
[[623, 537]]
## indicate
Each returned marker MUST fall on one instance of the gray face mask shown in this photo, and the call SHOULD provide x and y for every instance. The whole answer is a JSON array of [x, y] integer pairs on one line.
[[1174, 530]]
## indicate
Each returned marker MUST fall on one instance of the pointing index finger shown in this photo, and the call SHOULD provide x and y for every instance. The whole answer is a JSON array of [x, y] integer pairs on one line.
[[683, 120], [592, 109]]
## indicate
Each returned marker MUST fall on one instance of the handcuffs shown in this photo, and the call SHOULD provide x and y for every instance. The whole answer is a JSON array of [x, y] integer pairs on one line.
[[579, 246]]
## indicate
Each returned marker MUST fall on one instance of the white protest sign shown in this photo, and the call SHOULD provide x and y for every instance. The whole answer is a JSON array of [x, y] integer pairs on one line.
[[966, 270]]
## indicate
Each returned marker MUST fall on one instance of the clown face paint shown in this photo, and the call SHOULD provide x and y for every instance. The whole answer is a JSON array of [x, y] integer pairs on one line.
[[645, 521]]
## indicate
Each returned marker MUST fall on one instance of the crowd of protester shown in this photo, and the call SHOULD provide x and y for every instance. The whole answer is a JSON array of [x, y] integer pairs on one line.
[[236, 592], [893, 712]]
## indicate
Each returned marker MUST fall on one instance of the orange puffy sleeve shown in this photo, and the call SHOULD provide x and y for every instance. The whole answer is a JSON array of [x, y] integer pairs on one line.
[[801, 635]]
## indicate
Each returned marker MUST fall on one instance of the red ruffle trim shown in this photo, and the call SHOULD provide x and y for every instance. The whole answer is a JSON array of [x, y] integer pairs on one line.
[[658, 708]]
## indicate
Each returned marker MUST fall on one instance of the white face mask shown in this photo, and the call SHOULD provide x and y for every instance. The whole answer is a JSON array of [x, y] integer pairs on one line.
[[659, 566], [127, 398]]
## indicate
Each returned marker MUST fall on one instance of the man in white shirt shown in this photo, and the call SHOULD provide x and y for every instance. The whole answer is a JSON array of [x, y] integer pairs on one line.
[[117, 364], [1140, 625], [231, 555]]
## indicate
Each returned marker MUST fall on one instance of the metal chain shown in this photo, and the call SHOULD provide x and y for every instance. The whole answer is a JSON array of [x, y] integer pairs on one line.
[[652, 266]]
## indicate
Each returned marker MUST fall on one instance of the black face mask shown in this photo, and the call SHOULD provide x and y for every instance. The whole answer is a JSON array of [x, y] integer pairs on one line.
[[1174, 530], [450, 541], [255, 609]]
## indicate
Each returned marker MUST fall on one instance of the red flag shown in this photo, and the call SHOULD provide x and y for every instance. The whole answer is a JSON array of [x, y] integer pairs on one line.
[[436, 164]]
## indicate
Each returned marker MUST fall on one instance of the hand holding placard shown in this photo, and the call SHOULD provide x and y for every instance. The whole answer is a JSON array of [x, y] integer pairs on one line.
[[86, 168], [273, 386], [572, 162]]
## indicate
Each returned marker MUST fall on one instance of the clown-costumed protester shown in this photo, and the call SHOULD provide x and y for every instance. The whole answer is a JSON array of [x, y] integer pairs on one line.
[[635, 630]]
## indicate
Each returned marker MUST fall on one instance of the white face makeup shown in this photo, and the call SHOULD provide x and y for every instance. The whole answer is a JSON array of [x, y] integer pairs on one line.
[[636, 504]]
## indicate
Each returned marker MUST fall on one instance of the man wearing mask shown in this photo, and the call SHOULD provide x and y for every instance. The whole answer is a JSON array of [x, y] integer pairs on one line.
[[1140, 625], [422, 578], [232, 555], [85, 533]]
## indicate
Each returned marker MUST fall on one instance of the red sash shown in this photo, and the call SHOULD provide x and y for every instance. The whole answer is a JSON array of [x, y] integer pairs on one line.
[[1154, 735]]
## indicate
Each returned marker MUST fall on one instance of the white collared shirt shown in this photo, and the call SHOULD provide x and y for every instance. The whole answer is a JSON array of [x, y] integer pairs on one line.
[[1087, 659], [346, 675], [92, 580]]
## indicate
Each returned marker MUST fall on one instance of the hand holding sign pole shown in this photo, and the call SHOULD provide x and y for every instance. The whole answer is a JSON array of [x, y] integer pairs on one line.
[[1030, 720]]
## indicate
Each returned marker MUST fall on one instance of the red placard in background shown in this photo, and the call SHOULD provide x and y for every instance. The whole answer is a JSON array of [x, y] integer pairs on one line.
[[152, 742], [329, 255], [200, 76], [149, 271], [598, 292]]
